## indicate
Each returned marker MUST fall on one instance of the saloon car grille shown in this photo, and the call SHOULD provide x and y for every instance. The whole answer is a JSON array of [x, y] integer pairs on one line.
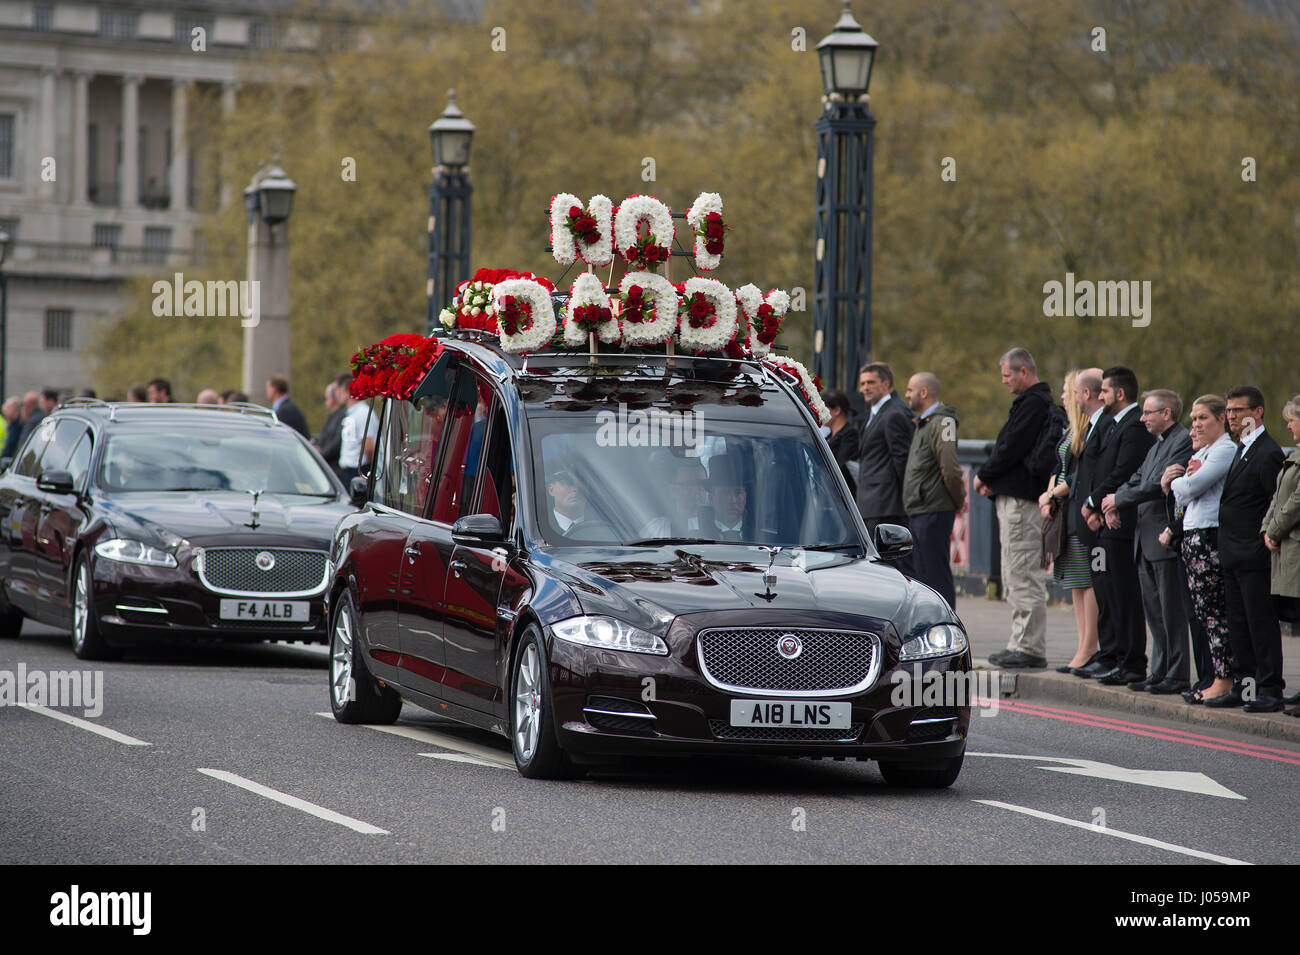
[[235, 570], [828, 662], [784, 734]]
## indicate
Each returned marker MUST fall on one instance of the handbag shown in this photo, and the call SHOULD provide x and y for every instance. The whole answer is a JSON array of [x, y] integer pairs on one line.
[[1053, 532]]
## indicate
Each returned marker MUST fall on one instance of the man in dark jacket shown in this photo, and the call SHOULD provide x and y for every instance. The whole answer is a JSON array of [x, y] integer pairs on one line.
[[1005, 478], [330, 439], [886, 438], [933, 489], [1253, 629], [277, 393]]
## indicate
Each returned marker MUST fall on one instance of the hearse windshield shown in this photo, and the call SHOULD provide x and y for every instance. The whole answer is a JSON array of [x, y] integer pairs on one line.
[[654, 476]]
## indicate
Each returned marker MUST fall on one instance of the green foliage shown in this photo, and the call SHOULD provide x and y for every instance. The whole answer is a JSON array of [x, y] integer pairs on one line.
[[1116, 165]]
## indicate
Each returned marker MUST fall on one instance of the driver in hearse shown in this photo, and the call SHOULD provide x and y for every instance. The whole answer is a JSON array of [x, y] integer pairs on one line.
[[568, 499]]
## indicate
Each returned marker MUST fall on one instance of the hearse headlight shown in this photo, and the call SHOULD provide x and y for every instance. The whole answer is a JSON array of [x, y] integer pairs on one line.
[[939, 641], [608, 633], [134, 552]]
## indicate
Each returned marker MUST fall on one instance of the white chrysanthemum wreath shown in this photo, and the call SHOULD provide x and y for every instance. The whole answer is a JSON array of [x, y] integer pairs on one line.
[[589, 309], [705, 219], [806, 385], [525, 315], [708, 315], [763, 315], [649, 312], [577, 231], [650, 251]]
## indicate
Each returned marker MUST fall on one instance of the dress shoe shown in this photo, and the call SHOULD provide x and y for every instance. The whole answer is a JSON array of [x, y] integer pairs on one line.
[[1065, 669], [1193, 697], [1291, 699], [1141, 686], [1265, 704], [1092, 670], [1227, 700], [1018, 660], [1118, 677], [999, 656], [1167, 687]]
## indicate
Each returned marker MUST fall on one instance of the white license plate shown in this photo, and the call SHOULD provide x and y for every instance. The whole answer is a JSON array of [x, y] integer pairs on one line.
[[267, 611], [830, 716]]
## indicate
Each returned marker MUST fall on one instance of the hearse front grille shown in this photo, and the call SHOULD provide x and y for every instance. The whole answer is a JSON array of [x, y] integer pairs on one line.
[[827, 662]]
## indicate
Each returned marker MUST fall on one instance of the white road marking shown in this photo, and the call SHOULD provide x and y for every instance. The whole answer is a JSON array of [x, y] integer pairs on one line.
[[1160, 778], [472, 760], [284, 799], [85, 725], [1118, 834], [445, 740]]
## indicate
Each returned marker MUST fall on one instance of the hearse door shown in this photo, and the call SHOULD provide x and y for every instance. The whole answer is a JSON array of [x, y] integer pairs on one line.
[[482, 588], [22, 519], [448, 410], [61, 517]]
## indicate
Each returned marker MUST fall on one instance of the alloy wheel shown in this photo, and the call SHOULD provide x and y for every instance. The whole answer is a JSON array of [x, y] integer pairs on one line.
[[528, 704], [81, 607], [341, 659]]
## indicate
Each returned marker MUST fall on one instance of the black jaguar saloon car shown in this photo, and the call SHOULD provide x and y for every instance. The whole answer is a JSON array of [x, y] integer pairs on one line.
[[646, 555], [140, 523]]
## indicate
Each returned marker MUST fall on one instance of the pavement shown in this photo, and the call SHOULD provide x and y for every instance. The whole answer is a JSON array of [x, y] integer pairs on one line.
[[988, 624]]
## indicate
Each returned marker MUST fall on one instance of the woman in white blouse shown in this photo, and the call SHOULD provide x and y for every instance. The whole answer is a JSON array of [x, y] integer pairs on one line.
[[1196, 489]]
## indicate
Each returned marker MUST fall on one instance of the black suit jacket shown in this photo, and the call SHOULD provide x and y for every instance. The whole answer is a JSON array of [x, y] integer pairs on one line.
[[885, 444], [292, 415], [1247, 491], [330, 440], [1084, 476], [1123, 450], [1143, 489]]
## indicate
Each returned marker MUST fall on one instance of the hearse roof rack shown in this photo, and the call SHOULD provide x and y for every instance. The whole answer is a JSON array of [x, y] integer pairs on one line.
[[237, 407]]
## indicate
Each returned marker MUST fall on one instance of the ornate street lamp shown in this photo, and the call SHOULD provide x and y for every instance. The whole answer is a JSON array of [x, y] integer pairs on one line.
[[450, 136], [842, 286]]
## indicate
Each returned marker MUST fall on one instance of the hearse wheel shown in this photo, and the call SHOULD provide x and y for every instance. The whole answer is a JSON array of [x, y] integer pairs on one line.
[[937, 775], [532, 722], [88, 641], [355, 697]]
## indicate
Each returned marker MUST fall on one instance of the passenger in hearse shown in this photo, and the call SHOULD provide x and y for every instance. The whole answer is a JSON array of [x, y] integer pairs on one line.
[[729, 497]]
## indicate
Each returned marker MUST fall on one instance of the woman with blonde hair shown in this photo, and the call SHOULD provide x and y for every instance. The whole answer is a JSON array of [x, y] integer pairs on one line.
[[1072, 568]]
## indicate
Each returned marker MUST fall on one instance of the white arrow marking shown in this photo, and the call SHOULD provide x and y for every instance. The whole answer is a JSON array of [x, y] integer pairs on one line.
[[1160, 778]]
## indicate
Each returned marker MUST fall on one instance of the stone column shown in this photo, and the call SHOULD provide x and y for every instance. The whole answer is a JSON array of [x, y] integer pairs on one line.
[[129, 184], [45, 187], [229, 95], [80, 176], [180, 146]]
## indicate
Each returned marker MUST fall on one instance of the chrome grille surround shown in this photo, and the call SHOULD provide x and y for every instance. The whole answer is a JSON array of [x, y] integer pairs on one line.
[[233, 571], [831, 662]]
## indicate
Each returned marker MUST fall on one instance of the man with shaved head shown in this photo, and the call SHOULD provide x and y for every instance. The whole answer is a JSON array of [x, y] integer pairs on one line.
[[208, 396], [933, 489]]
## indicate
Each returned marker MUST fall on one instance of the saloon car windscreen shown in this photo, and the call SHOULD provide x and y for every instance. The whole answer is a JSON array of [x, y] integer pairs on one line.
[[607, 479], [161, 460]]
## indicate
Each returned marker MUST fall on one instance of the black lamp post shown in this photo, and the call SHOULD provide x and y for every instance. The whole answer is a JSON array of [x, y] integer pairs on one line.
[[4, 310], [449, 208], [842, 286]]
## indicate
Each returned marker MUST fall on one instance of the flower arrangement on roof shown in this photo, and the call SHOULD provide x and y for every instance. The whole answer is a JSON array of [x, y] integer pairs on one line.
[[394, 366], [525, 313], [808, 386], [576, 231], [472, 306], [763, 315], [643, 232], [705, 218], [589, 310], [649, 308], [708, 316]]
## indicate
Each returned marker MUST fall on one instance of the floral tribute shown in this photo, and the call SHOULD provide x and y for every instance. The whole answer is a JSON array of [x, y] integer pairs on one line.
[[708, 316], [705, 217], [394, 367], [589, 310], [644, 248], [472, 305], [762, 316], [649, 308], [808, 386], [576, 231], [525, 313]]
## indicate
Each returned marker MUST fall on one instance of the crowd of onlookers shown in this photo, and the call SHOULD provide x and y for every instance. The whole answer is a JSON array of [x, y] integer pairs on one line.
[[346, 440], [1190, 532]]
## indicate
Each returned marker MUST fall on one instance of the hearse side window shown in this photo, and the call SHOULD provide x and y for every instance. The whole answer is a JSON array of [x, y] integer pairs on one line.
[[58, 453], [410, 470], [79, 463], [392, 438], [497, 492], [29, 458], [464, 416]]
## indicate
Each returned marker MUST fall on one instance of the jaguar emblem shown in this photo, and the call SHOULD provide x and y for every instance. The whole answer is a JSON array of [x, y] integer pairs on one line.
[[264, 560], [788, 646]]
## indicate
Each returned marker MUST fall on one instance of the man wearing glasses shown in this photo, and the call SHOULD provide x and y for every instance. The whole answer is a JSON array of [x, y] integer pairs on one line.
[[1159, 575], [1253, 630]]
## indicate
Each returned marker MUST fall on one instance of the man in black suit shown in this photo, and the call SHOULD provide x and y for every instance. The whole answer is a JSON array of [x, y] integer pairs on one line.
[[1253, 630], [1122, 452], [886, 440], [1158, 569], [330, 439], [277, 393]]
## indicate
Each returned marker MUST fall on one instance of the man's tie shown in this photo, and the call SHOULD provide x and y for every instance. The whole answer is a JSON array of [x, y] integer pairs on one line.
[[1236, 459]]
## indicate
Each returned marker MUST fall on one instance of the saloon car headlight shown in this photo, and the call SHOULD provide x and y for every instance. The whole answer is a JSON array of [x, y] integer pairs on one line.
[[134, 552], [608, 633], [938, 641]]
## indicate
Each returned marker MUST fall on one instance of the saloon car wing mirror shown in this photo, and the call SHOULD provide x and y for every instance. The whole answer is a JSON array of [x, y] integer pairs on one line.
[[358, 491], [475, 530], [893, 541], [55, 481]]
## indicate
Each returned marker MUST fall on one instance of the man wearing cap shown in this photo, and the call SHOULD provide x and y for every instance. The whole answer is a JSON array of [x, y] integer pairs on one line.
[[568, 499]]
